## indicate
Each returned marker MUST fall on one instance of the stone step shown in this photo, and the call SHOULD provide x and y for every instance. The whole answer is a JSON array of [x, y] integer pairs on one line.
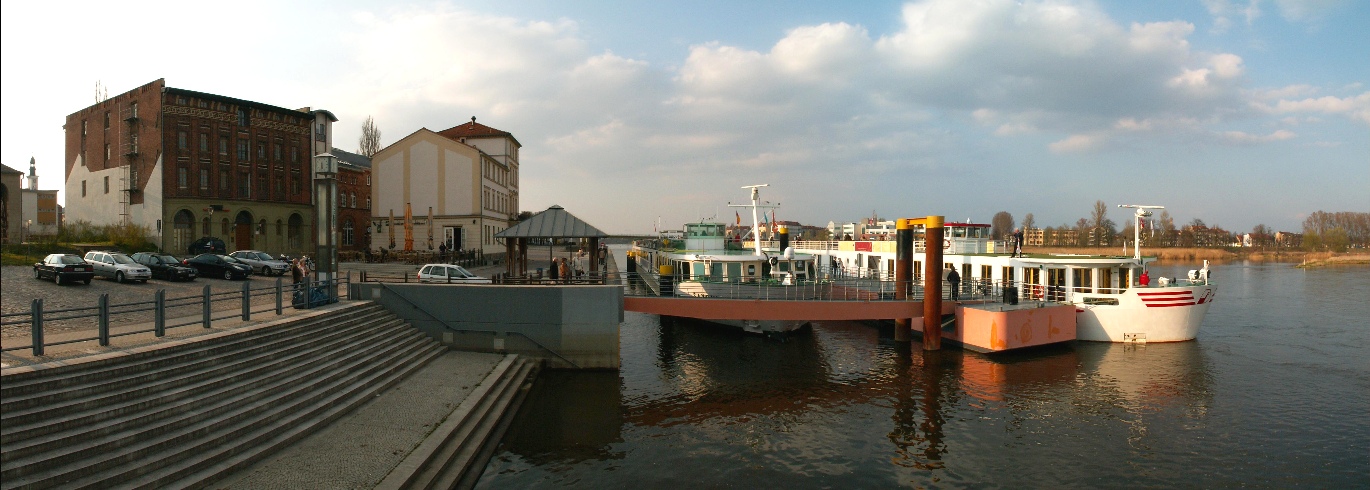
[[117, 451], [467, 464], [181, 406], [20, 382], [476, 466]]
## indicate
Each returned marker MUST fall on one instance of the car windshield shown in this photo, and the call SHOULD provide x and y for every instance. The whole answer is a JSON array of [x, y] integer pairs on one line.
[[167, 259], [70, 259], [232, 260], [457, 271], [121, 259]]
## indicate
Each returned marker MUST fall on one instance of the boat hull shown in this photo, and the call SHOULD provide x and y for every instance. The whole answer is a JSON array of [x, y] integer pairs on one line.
[[1171, 314]]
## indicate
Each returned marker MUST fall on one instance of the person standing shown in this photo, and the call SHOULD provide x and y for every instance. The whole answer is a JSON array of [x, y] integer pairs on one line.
[[1017, 242], [955, 280], [554, 271], [295, 273], [1144, 280], [564, 270]]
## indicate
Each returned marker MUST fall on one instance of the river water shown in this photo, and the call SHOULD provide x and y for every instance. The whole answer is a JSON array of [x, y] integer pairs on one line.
[[1274, 393]]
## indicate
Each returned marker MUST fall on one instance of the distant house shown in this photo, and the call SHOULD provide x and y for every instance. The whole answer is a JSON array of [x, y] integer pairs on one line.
[[1288, 239], [354, 200], [11, 209], [466, 177]]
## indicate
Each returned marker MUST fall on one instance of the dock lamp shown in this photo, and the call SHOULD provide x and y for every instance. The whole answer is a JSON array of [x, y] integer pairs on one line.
[[326, 217]]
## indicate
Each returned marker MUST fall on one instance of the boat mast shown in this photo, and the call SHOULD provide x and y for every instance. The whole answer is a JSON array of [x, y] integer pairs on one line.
[[1137, 227], [756, 203]]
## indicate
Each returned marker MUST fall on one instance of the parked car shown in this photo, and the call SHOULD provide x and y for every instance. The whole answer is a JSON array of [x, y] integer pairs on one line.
[[446, 273], [262, 262], [64, 268], [118, 266], [234, 260], [207, 245], [215, 265], [165, 266]]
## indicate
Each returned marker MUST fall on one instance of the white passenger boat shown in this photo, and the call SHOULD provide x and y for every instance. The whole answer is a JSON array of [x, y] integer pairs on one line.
[[705, 264], [1111, 304]]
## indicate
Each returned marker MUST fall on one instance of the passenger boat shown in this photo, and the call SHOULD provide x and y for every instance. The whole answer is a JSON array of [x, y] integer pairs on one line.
[[1110, 302], [704, 263]]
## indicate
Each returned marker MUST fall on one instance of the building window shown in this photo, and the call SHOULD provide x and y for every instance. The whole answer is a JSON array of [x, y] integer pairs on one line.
[[106, 184], [320, 134], [181, 177], [133, 107], [278, 184], [204, 226], [243, 119], [106, 119], [106, 154], [83, 188], [204, 142], [261, 151], [204, 179], [261, 185], [347, 232], [294, 154], [181, 143], [83, 127], [242, 150], [368, 202], [223, 180], [277, 150], [244, 185], [223, 145], [223, 224], [133, 176]]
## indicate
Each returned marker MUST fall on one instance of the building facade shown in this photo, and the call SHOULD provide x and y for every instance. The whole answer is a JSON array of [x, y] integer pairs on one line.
[[354, 201], [464, 177], [186, 164], [11, 209]]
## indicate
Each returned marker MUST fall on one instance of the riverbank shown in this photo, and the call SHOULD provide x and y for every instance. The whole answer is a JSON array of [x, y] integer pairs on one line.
[[1332, 260]]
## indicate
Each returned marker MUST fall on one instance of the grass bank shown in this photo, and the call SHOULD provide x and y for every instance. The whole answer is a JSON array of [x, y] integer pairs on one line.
[[1328, 259], [1168, 253]]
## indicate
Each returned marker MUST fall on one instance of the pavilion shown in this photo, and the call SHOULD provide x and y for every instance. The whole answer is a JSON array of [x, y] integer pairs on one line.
[[553, 223]]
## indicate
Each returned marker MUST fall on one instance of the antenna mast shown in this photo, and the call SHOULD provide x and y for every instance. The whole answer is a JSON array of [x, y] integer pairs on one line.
[[1142, 212]]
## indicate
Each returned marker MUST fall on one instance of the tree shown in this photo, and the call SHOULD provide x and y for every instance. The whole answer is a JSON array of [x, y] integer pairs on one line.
[[371, 138], [1098, 220], [1081, 232], [1001, 225], [1029, 221]]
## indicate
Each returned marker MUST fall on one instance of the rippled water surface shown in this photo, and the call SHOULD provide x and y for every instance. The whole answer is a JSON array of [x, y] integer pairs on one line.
[[1275, 393]]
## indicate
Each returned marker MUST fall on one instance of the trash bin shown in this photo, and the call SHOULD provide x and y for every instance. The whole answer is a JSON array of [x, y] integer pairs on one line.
[[1010, 295]]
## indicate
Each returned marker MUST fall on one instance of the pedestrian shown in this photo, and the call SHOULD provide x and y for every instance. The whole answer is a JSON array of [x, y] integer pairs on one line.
[[555, 270], [955, 280], [295, 273], [1017, 242], [564, 270], [442, 252], [1145, 280]]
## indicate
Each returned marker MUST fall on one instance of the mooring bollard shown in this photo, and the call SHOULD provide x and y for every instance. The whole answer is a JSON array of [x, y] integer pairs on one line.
[[903, 273], [933, 243], [104, 319], [159, 313], [36, 325], [279, 294]]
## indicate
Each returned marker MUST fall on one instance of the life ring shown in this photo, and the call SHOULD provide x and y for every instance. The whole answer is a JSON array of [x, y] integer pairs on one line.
[[946, 244]]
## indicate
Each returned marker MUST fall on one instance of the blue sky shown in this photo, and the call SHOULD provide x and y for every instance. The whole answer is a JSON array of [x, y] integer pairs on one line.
[[1235, 112]]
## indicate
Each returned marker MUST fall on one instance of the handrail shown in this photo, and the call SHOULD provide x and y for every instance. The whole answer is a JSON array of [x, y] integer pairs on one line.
[[37, 316]]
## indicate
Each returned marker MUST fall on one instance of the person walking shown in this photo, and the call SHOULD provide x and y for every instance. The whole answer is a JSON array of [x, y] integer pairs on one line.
[[564, 270], [955, 280]]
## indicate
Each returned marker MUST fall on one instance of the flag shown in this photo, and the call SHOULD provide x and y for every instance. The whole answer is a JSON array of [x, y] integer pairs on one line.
[[739, 217]]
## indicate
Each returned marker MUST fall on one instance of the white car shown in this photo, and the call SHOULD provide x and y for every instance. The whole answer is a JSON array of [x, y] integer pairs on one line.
[[261, 262], [454, 274], [118, 266]]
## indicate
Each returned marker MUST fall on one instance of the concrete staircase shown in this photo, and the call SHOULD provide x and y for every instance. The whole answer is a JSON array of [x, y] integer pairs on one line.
[[457, 451], [189, 413]]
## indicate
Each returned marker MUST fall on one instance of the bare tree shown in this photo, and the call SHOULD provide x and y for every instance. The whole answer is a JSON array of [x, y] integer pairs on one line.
[[1029, 221], [371, 138], [1001, 224]]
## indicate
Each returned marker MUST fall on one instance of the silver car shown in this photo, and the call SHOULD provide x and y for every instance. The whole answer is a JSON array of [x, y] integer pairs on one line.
[[261, 262], [118, 266]]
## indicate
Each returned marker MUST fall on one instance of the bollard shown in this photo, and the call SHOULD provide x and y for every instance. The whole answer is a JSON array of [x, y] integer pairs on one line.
[[279, 294], [903, 274], [36, 316], [103, 321], [247, 300], [159, 313], [204, 305], [932, 283]]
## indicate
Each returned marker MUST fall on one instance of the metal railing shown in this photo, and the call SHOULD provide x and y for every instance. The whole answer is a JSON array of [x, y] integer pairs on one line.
[[103, 312]]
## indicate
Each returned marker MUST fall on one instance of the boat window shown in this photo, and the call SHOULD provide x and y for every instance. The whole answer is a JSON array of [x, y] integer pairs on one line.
[[734, 271], [1083, 280], [1102, 301], [698, 270], [716, 272], [784, 266], [1106, 284], [751, 270]]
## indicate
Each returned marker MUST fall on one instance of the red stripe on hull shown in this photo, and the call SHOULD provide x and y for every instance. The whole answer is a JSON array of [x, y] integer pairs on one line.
[[1162, 305]]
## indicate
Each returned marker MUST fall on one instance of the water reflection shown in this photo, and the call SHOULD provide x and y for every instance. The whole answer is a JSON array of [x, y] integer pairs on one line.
[[810, 405]]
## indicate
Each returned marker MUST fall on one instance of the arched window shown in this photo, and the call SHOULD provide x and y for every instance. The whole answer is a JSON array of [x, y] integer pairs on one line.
[[224, 227], [293, 231], [204, 228], [280, 227], [347, 232]]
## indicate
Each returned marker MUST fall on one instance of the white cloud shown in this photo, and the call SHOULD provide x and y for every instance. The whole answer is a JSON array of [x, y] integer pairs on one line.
[[1223, 12], [1355, 107], [1243, 138]]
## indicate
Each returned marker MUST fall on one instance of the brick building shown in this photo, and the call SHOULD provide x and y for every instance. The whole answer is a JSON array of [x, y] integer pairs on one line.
[[188, 164], [11, 210], [354, 201]]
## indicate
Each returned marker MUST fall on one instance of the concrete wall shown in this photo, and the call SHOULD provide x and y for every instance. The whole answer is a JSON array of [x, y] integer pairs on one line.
[[579, 324]]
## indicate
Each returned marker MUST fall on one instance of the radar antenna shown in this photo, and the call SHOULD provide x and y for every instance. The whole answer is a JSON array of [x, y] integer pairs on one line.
[[1142, 211]]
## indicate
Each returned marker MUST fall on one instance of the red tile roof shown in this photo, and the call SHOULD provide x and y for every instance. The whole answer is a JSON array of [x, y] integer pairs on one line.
[[474, 129]]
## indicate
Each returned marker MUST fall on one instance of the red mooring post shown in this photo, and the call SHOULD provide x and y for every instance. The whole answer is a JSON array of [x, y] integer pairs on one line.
[[933, 241], [903, 274]]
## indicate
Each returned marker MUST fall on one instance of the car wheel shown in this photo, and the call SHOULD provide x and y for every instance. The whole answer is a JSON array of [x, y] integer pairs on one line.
[[57, 278], [119, 277], [228, 275], [36, 274], [266, 271], [87, 281]]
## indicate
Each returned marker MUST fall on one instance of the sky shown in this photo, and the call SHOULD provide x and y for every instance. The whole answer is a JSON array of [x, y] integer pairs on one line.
[[1234, 112]]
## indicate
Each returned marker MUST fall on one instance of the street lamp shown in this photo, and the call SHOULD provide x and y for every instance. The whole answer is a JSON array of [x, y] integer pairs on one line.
[[326, 218]]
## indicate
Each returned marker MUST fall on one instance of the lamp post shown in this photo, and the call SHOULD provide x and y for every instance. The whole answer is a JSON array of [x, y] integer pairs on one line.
[[326, 217]]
